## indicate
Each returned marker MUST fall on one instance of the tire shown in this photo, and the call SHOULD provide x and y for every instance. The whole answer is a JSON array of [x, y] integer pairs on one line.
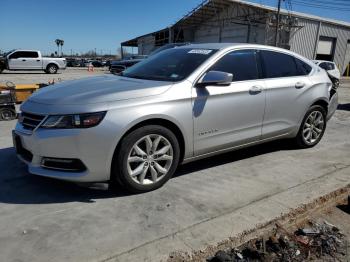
[[51, 69], [150, 167], [314, 121], [7, 114]]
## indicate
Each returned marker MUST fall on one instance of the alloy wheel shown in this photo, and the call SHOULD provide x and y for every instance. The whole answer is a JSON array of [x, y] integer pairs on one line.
[[313, 127], [150, 159]]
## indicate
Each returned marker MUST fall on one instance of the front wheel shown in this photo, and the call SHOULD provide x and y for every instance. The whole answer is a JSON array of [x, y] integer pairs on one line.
[[147, 159], [312, 127], [7, 114]]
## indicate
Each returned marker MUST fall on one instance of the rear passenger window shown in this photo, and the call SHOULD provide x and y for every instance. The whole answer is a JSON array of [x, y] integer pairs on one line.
[[302, 67], [241, 64], [278, 64]]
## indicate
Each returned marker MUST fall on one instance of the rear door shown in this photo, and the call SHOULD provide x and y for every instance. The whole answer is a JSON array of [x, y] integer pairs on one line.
[[286, 80], [32, 60], [228, 116]]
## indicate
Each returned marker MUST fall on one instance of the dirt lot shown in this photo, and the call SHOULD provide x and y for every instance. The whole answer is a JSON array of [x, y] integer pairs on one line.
[[37, 77], [207, 201]]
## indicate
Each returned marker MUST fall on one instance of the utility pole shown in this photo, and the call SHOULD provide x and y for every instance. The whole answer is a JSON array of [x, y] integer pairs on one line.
[[278, 22]]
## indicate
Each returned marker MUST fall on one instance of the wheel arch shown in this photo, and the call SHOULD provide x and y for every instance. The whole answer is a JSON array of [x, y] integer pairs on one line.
[[171, 125], [52, 63], [321, 102]]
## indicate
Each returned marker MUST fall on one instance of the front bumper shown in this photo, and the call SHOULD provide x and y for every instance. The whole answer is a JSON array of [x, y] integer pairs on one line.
[[90, 146]]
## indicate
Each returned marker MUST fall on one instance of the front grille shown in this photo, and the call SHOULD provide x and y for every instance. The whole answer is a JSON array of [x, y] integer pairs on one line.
[[30, 121]]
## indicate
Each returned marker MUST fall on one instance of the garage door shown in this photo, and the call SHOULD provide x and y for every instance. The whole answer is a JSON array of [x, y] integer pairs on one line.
[[325, 46]]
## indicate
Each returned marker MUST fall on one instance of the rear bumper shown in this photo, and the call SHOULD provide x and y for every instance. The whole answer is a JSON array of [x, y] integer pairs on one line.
[[333, 104]]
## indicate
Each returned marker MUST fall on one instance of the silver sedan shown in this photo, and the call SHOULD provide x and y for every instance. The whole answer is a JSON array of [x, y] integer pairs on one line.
[[177, 106]]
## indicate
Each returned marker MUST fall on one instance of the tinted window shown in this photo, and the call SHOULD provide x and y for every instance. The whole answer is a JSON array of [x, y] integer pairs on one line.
[[170, 65], [331, 66], [24, 54], [324, 66], [327, 66], [31, 54], [241, 64], [278, 64], [302, 67]]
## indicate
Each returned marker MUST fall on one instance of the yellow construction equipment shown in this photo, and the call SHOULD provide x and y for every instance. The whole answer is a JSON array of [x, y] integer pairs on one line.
[[22, 91]]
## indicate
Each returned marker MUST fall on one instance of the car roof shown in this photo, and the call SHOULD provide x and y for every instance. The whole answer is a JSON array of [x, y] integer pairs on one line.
[[220, 46]]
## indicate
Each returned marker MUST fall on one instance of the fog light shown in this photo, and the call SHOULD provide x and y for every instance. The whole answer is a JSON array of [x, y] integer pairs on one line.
[[63, 164]]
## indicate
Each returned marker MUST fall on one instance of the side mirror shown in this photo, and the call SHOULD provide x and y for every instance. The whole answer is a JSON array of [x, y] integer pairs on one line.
[[217, 78]]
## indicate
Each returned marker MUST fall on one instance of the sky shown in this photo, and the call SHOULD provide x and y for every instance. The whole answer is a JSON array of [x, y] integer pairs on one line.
[[88, 24]]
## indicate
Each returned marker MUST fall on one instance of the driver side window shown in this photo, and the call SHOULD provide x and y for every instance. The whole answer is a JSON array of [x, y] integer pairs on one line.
[[241, 64], [14, 55]]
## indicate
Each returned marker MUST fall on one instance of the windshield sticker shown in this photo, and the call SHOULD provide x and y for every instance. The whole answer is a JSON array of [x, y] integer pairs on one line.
[[174, 76], [200, 51]]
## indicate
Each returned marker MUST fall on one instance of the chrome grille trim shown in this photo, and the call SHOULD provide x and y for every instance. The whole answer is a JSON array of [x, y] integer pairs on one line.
[[30, 121]]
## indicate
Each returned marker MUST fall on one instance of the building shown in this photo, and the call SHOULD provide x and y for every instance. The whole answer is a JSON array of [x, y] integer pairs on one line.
[[238, 21]]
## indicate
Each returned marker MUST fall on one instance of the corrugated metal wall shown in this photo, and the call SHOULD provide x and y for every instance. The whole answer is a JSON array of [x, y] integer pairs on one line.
[[230, 32], [303, 41], [146, 44], [342, 35]]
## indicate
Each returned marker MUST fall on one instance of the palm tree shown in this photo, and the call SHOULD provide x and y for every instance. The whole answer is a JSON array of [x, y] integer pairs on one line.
[[58, 42], [62, 42]]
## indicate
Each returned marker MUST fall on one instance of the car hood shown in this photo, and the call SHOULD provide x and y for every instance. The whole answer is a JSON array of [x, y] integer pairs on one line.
[[98, 89]]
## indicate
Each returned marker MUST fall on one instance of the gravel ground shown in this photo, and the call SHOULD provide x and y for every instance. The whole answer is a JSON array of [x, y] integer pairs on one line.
[[323, 236]]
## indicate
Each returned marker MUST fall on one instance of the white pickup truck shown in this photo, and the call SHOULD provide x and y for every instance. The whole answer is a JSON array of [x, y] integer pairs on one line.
[[31, 60]]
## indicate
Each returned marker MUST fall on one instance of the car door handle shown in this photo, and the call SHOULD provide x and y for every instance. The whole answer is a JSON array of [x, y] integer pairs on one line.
[[38, 60], [24, 60], [299, 84], [255, 90]]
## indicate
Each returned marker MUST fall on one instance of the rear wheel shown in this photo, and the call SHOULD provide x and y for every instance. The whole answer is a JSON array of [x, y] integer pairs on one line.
[[147, 159], [51, 69], [7, 114], [312, 127]]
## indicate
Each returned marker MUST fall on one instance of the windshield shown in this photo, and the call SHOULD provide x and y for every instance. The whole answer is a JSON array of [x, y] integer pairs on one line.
[[5, 54], [170, 65]]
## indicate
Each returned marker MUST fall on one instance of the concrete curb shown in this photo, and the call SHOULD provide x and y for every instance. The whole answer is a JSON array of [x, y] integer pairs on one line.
[[238, 225]]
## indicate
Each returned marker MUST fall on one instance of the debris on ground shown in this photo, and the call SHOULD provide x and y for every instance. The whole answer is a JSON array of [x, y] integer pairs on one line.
[[314, 241]]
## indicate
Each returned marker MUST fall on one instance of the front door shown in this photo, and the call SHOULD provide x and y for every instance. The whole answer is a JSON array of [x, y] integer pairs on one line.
[[227, 116]]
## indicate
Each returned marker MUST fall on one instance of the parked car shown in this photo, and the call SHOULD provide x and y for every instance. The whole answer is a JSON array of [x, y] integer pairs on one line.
[[97, 63], [181, 105], [72, 62], [332, 70], [31, 60], [119, 66]]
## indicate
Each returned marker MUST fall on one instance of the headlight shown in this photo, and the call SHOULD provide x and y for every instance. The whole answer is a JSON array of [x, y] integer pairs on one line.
[[74, 121]]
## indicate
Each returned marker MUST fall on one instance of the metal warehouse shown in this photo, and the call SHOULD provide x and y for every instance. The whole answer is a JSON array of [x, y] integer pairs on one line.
[[237, 21]]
